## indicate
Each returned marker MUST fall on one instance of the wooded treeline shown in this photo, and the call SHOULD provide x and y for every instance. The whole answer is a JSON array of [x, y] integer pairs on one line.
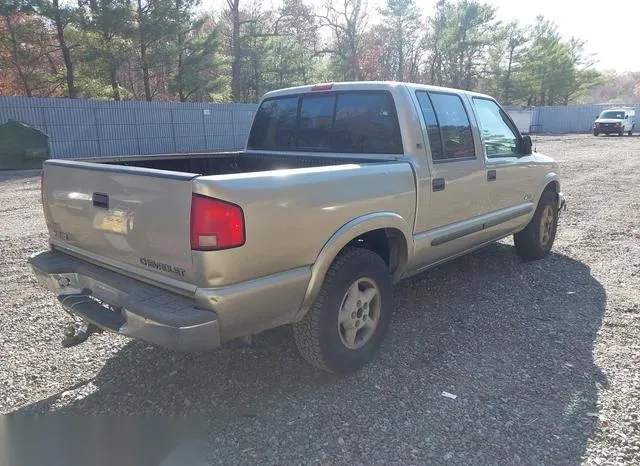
[[171, 50]]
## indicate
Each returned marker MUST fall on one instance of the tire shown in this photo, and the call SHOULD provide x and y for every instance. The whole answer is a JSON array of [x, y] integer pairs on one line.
[[322, 339], [621, 133], [531, 243], [595, 133]]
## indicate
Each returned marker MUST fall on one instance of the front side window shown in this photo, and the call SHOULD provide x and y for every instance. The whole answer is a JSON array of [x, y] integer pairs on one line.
[[499, 137], [457, 138], [352, 122]]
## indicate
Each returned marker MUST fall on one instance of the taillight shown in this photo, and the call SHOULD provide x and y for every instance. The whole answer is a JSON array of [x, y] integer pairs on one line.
[[215, 224]]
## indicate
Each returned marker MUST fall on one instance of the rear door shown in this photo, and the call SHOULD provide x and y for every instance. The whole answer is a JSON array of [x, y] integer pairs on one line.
[[458, 187], [131, 218]]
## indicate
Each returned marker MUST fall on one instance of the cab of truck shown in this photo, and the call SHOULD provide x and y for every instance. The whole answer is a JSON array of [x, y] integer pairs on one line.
[[615, 121]]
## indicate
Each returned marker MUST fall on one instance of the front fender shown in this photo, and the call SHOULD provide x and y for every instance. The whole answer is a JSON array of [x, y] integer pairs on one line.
[[344, 236], [550, 177]]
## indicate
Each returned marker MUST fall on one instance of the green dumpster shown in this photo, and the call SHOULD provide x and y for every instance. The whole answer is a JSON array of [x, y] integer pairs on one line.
[[22, 146]]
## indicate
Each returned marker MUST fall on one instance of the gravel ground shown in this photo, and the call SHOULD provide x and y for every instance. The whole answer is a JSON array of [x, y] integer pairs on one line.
[[543, 357]]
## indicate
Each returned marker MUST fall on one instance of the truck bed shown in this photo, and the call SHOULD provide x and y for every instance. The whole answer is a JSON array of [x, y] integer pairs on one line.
[[222, 163], [135, 212]]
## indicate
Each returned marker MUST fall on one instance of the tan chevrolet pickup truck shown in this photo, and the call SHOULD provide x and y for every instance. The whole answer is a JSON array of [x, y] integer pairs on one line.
[[342, 190]]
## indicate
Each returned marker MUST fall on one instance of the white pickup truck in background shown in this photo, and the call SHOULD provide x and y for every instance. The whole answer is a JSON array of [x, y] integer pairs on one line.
[[343, 189]]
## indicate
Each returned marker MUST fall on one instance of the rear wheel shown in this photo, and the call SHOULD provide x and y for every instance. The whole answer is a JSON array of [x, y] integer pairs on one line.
[[345, 327], [536, 240]]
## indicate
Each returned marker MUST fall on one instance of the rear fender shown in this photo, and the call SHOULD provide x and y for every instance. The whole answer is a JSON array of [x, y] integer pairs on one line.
[[344, 236]]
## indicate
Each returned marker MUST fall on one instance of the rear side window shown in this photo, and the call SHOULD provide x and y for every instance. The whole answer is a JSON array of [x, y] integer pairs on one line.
[[451, 122], [433, 128], [355, 122], [457, 137]]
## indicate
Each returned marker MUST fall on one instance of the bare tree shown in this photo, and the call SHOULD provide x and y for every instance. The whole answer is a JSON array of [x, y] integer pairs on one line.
[[402, 27], [347, 20], [61, 17]]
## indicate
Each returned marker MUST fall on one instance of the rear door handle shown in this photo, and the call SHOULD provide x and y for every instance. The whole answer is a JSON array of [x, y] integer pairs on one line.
[[437, 184], [491, 175]]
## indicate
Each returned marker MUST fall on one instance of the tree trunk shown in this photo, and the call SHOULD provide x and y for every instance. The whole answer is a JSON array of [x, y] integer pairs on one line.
[[463, 46], [432, 65], [234, 6], [181, 95], [145, 74], [507, 78], [400, 70], [114, 81], [16, 60], [354, 68], [66, 55], [143, 53]]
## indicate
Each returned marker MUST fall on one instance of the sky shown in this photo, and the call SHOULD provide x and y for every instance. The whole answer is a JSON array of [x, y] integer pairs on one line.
[[612, 34]]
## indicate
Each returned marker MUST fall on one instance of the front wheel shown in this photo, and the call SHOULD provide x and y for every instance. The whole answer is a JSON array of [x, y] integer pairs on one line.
[[595, 133], [346, 324], [536, 240]]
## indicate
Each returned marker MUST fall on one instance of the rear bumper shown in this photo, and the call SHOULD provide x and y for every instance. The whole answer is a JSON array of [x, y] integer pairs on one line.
[[126, 306], [136, 309]]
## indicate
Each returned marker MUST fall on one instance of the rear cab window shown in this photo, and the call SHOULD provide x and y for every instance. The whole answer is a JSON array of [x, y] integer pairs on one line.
[[342, 121]]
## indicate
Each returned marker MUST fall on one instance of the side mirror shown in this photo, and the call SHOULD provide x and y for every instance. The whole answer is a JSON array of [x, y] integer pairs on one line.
[[527, 145]]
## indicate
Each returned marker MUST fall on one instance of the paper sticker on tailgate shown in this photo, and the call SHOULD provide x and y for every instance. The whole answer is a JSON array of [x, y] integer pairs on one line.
[[112, 222]]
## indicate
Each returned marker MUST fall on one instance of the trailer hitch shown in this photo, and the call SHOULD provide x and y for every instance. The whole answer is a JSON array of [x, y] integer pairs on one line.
[[77, 333]]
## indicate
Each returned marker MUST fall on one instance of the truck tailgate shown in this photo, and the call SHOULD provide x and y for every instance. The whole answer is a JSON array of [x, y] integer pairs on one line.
[[134, 216]]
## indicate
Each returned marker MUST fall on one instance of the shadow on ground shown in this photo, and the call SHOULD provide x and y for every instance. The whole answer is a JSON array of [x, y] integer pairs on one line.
[[513, 341]]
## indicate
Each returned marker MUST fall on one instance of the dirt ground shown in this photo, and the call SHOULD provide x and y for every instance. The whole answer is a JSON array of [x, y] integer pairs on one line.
[[543, 357]]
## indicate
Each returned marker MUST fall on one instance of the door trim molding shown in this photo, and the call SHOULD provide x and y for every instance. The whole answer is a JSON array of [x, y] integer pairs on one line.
[[464, 228]]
